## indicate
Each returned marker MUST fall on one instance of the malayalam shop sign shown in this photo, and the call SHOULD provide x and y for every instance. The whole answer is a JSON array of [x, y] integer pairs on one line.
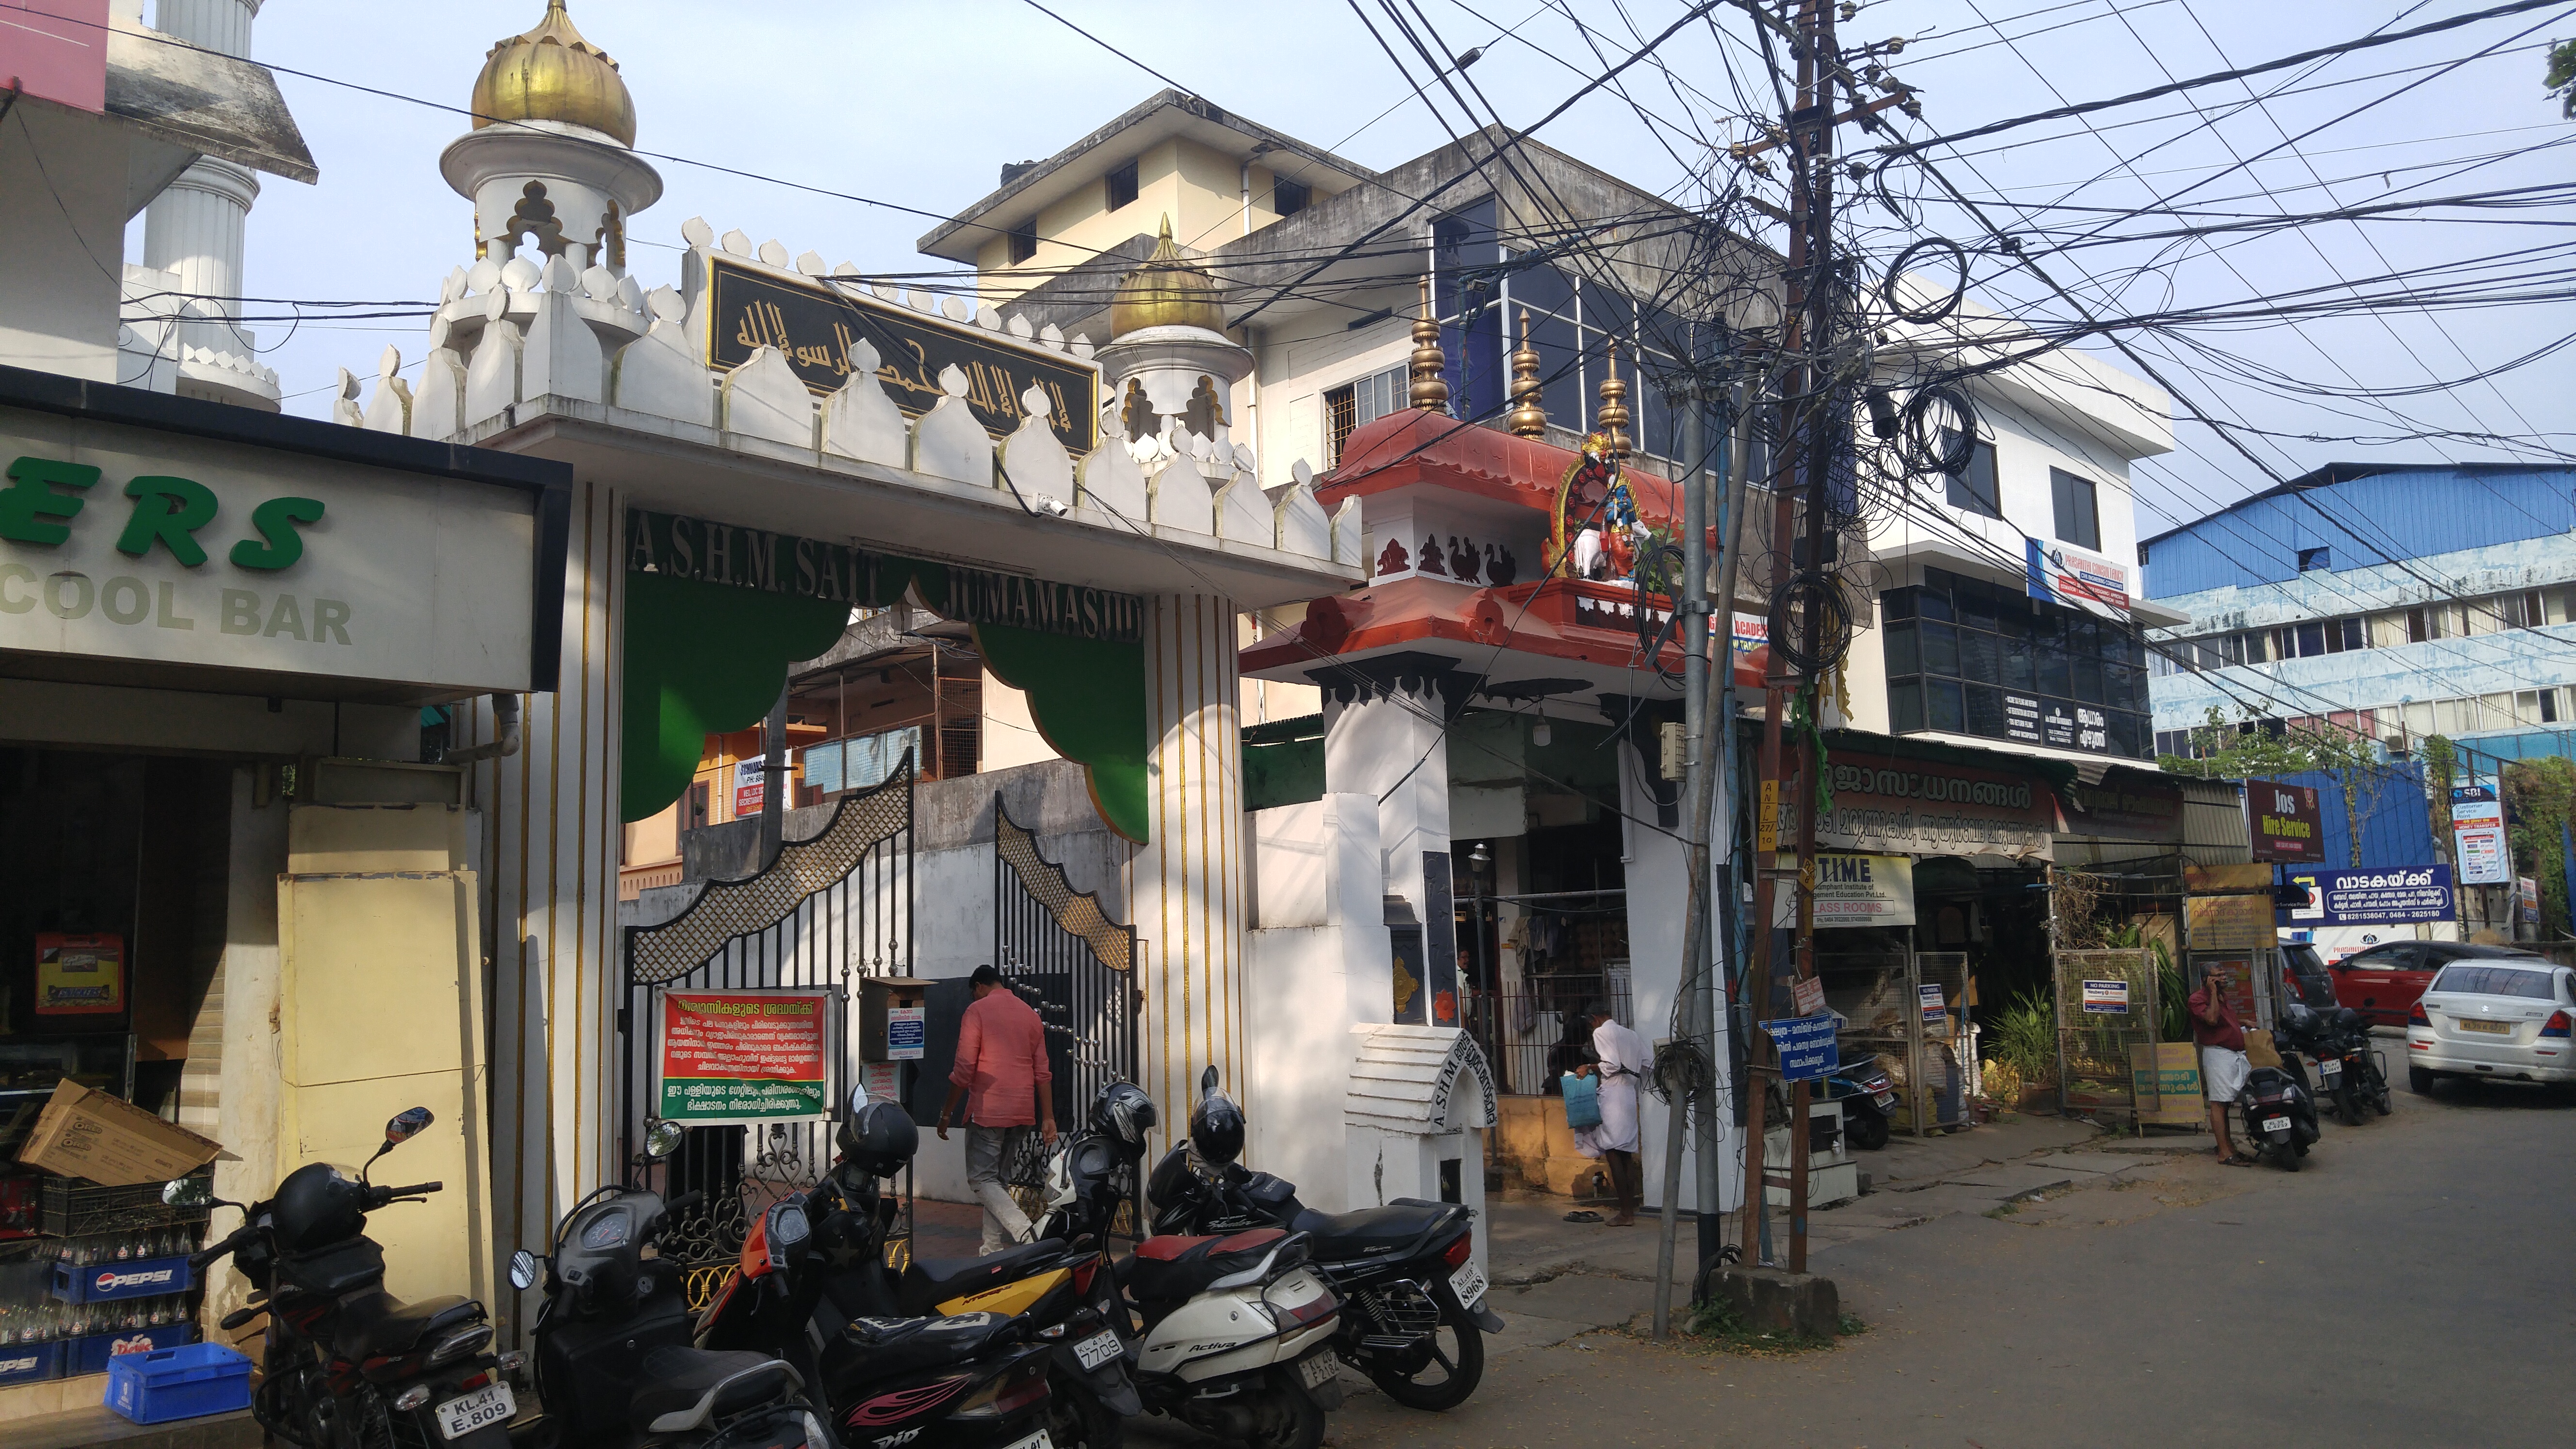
[[2372, 897], [2285, 822], [744, 1056], [1890, 806]]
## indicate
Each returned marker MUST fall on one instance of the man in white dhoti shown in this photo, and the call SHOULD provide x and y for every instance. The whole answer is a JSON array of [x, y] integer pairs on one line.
[[1623, 1065]]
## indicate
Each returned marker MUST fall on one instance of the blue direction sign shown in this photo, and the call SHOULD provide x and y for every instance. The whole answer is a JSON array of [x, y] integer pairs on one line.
[[1807, 1051]]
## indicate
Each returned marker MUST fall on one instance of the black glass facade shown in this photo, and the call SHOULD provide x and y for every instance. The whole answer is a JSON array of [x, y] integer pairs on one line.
[[1972, 658]]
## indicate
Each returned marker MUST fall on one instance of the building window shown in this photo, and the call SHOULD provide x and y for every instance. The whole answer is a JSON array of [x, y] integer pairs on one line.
[[1122, 186], [1354, 404], [2079, 520], [1973, 491], [2313, 559], [1968, 657], [2523, 610], [1024, 241], [1289, 197]]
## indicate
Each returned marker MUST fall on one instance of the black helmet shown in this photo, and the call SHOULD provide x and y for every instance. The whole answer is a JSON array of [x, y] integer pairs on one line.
[[1216, 1124], [2347, 1018], [878, 1138], [2298, 1018], [1122, 1111], [317, 1206]]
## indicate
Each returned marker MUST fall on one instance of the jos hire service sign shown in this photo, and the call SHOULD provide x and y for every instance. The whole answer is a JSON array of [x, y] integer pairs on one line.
[[128, 543]]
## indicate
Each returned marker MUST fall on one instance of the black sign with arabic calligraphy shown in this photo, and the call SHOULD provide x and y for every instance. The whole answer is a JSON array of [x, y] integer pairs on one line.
[[814, 328]]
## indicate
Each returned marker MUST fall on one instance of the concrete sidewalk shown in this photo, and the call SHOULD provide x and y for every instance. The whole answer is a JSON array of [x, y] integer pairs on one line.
[[1555, 1281]]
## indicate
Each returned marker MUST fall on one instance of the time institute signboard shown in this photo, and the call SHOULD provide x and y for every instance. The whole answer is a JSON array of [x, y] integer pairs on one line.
[[201, 538]]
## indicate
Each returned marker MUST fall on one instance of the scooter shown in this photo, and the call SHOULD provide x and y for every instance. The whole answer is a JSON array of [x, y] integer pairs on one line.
[[614, 1363], [1869, 1102], [1416, 1315], [345, 1362], [972, 1380], [2280, 1116], [1231, 1331], [1065, 1289], [1236, 1336]]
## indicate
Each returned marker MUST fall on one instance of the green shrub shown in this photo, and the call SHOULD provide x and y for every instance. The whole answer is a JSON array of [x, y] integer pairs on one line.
[[2024, 1038]]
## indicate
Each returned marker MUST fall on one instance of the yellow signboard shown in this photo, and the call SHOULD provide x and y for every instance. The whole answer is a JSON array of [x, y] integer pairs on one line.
[[2230, 923]]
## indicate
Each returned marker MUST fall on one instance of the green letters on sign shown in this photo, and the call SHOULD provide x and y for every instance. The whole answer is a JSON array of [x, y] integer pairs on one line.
[[169, 511], [27, 500], [276, 520]]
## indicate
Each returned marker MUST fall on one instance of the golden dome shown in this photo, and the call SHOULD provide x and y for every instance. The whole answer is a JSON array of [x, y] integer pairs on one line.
[[552, 74], [1168, 291]]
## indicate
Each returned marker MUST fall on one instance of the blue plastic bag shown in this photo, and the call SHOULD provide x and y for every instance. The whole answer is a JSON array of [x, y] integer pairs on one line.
[[1582, 1101]]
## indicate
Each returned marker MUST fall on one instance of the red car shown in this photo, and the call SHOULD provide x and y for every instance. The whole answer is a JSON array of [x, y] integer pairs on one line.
[[2383, 981]]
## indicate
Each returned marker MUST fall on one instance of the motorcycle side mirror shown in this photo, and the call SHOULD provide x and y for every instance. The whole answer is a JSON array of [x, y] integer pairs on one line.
[[662, 1139], [189, 1192], [523, 1270], [402, 1127]]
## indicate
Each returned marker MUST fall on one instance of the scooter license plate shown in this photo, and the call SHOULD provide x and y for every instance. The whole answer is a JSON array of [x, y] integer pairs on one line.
[[482, 1408], [1317, 1369], [1038, 1440], [2276, 1124], [2330, 1068], [1886, 1101], [1468, 1283], [1098, 1349]]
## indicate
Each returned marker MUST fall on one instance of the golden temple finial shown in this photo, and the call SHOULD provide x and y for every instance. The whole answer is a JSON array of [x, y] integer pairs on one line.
[[1611, 419], [1169, 290], [1430, 391], [550, 73], [1529, 415]]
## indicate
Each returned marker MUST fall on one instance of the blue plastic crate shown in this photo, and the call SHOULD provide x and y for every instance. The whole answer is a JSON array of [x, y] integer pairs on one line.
[[27, 1363], [178, 1383], [93, 1354], [115, 1282]]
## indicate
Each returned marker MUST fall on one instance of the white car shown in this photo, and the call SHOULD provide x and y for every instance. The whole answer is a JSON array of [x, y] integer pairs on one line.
[[2507, 1020]]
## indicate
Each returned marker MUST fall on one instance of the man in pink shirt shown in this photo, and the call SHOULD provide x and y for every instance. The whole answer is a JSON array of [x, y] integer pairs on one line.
[[1002, 1080]]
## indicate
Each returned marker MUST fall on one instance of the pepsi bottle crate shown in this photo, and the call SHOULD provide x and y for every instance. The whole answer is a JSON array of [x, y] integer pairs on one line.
[[92, 1355], [75, 1209], [115, 1282], [27, 1363]]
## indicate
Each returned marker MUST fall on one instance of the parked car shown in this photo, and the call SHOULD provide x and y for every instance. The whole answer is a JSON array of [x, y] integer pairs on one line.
[[2503, 1018], [2305, 973], [2383, 982]]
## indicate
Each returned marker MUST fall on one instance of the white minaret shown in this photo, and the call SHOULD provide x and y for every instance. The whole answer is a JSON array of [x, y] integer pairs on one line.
[[194, 230]]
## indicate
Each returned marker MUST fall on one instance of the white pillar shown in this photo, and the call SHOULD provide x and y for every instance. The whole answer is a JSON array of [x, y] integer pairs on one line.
[[1384, 738], [195, 227], [1187, 882], [550, 900]]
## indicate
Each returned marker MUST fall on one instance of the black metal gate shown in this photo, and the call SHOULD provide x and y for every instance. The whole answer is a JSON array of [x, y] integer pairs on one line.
[[830, 908], [1064, 956]]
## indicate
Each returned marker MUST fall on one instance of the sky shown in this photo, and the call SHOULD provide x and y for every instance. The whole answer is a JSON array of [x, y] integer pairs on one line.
[[853, 120]]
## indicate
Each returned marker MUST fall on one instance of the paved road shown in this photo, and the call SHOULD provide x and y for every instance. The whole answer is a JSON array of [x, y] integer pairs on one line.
[[2411, 1287]]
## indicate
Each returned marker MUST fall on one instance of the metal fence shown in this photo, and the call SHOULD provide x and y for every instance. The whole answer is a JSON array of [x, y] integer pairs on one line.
[[1520, 1031], [1907, 1012], [2106, 1010]]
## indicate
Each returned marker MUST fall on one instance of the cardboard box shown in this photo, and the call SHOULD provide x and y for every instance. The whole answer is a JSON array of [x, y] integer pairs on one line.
[[112, 1142]]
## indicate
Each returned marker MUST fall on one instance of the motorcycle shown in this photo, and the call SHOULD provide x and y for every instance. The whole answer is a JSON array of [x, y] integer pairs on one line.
[[614, 1362], [2280, 1115], [1406, 1270], [346, 1364], [1869, 1103], [2348, 1065], [1066, 1290], [969, 1380]]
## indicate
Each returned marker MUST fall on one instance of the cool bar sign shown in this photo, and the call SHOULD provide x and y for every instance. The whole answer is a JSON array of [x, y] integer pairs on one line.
[[123, 542]]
